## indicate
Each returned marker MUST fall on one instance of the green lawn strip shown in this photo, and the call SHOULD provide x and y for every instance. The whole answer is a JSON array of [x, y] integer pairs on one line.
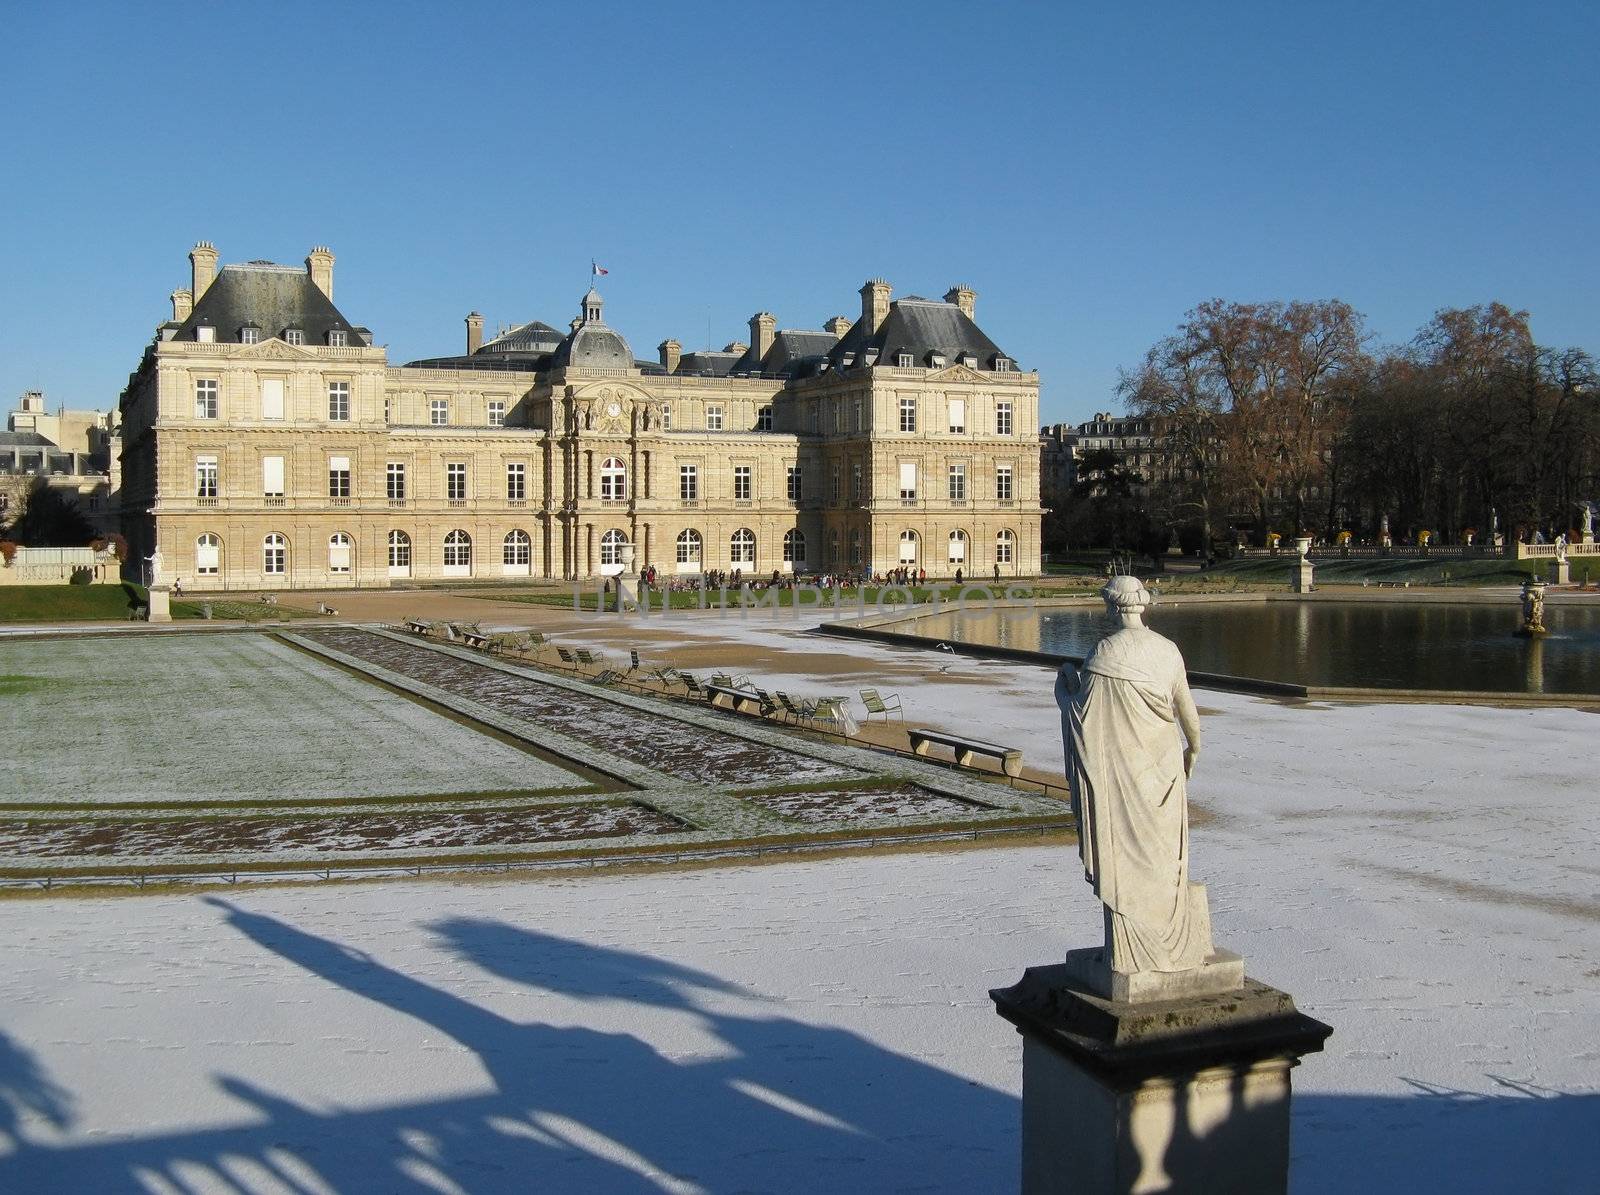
[[234, 611], [68, 603], [680, 845], [15, 684]]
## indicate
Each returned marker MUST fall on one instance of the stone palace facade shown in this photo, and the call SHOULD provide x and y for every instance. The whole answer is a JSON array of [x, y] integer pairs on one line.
[[267, 443]]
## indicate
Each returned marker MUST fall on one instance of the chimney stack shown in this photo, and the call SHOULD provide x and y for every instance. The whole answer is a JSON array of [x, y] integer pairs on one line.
[[182, 305], [838, 325], [319, 264], [762, 327], [203, 267], [963, 297], [474, 332], [671, 353], [875, 303]]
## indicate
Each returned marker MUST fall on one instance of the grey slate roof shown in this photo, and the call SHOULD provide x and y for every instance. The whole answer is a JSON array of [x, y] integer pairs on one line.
[[270, 297], [593, 345], [921, 327], [793, 351], [24, 440], [532, 337]]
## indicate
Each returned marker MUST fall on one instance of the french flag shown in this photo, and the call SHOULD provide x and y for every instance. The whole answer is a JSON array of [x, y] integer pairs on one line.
[[596, 270]]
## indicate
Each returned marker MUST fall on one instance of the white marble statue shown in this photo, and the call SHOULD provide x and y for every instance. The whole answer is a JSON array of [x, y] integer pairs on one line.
[[1561, 548], [153, 563], [1588, 509], [1127, 771]]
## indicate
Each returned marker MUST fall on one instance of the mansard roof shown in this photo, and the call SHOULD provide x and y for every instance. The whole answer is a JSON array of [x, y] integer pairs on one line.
[[269, 297], [921, 327], [794, 351]]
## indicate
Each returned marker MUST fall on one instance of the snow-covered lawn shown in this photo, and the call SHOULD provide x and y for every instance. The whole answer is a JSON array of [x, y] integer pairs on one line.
[[226, 718], [1420, 877]]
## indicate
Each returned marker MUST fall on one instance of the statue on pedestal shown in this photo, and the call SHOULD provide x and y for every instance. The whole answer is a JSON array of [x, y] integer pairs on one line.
[[1532, 608], [1588, 509], [153, 564], [1128, 773]]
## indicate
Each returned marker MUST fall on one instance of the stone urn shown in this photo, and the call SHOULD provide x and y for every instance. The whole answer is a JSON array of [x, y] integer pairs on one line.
[[1302, 545]]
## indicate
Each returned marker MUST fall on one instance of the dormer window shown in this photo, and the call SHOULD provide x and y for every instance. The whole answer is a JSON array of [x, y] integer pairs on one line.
[[338, 338], [205, 334], [294, 336], [936, 360], [848, 360], [969, 360], [1002, 365], [904, 360], [249, 334]]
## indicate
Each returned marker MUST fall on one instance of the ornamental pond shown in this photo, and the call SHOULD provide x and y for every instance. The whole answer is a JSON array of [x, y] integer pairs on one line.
[[1326, 643]]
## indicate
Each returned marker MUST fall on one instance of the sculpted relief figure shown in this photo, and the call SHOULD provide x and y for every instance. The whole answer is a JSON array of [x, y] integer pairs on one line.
[[1128, 772]]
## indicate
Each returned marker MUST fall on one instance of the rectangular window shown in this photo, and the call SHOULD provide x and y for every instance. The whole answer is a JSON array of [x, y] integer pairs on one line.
[[497, 413], [337, 338], [272, 476], [836, 490], [908, 414], [764, 419], [688, 482], [713, 418], [205, 477], [958, 483], [1002, 419], [249, 335], [455, 482], [294, 336], [205, 334], [796, 484], [339, 400], [439, 412], [516, 482], [741, 483], [338, 477], [386, 408], [908, 480], [903, 360], [958, 416], [1002, 365], [666, 417], [855, 481], [395, 481], [205, 398], [272, 398], [859, 425], [1002, 482]]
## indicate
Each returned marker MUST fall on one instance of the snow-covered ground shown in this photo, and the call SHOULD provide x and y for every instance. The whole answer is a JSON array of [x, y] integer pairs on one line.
[[1420, 877]]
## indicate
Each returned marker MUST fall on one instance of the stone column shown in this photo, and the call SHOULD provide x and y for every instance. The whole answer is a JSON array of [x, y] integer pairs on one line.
[[588, 550], [1134, 1095]]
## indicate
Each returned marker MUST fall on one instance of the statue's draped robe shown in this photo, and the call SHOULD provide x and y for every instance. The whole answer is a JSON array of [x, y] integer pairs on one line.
[[1125, 769]]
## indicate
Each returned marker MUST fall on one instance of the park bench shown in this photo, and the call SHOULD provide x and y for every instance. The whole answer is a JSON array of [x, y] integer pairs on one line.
[[739, 699], [1009, 758], [416, 626], [473, 638]]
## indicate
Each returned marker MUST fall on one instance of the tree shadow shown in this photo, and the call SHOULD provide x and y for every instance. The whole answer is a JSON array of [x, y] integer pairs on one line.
[[774, 1103], [27, 1094]]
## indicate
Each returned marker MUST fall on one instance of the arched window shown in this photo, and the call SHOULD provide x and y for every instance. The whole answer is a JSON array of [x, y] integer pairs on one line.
[[274, 555], [958, 547], [613, 480], [208, 555], [794, 547], [517, 549], [399, 554], [1003, 545], [689, 549], [742, 547], [908, 547], [857, 555], [611, 551], [339, 553], [457, 554]]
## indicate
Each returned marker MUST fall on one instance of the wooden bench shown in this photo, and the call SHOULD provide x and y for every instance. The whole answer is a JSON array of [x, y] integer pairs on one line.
[[739, 700], [1009, 758]]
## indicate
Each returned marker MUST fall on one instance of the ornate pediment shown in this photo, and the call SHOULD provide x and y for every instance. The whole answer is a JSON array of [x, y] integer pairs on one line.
[[957, 373], [275, 350], [608, 407]]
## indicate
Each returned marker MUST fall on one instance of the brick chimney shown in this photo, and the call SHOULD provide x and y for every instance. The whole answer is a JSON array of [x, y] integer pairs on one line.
[[203, 268], [875, 303], [838, 325], [963, 297], [182, 305], [762, 327], [671, 353], [474, 332], [319, 264]]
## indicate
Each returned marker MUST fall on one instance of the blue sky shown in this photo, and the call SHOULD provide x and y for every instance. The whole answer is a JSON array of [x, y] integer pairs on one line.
[[1092, 170]]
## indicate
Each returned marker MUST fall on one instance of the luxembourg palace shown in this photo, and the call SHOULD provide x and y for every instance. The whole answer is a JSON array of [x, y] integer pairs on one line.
[[268, 443]]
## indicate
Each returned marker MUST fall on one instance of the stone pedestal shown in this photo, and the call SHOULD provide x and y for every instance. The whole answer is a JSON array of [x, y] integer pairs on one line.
[[1186, 1094], [160, 609], [627, 579], [1300, 579], [1560, 572]]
